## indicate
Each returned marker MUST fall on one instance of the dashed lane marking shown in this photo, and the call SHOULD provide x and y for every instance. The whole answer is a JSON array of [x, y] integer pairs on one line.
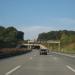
[[70, 68], [12, 70]]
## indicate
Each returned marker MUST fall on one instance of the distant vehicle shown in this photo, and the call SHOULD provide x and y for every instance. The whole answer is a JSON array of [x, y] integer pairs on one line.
[[43, 51]]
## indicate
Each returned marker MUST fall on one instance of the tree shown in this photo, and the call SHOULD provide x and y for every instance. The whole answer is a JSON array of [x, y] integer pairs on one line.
[[10, 36]]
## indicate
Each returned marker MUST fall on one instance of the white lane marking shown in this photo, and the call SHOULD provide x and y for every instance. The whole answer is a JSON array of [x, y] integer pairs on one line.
[[14, 69], [73, 56], [70, 68]]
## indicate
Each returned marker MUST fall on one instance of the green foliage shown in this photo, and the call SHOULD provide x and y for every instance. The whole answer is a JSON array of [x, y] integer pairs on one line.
[[9, 36], [20, 35], [58, 35], [2, 30], [66, 37]]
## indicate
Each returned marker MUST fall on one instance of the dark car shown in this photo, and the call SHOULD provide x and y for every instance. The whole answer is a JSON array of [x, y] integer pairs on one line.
[[43, 51]]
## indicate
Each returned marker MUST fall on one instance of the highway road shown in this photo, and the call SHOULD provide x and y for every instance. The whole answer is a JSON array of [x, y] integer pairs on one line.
[[34, 64]]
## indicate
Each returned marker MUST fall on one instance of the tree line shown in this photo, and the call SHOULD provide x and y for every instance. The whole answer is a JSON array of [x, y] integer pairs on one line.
[[65, 36], [10, 36]]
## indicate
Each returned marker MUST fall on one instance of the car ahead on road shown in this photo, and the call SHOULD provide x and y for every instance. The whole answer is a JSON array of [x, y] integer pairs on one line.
[[43, 51]]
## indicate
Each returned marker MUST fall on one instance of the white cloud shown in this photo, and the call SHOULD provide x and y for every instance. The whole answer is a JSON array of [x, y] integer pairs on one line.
[[32, 31], [64, 21], [68, 21]]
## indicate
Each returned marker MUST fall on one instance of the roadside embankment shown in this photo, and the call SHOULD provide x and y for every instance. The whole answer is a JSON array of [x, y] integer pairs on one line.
[[8, 52]]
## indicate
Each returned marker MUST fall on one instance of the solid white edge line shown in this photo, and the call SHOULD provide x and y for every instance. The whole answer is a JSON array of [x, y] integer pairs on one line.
[[14, 69], [70, 68], [65, 54]]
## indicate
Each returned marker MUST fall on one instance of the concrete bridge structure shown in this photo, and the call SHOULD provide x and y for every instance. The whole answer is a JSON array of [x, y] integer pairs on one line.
[[42, 44]]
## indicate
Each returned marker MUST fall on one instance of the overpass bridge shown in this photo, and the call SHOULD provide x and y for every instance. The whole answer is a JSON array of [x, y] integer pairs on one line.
[[51, 44], [42, 44]]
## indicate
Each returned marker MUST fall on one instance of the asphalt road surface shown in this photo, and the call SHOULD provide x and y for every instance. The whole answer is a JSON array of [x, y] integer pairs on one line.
[[34, 64]]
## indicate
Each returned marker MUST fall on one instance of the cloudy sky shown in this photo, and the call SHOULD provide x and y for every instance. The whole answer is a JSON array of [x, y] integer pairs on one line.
[[36, 16]]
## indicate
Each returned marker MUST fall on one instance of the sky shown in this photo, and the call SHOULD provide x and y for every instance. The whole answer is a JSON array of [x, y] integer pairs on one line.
[[37, 16]]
